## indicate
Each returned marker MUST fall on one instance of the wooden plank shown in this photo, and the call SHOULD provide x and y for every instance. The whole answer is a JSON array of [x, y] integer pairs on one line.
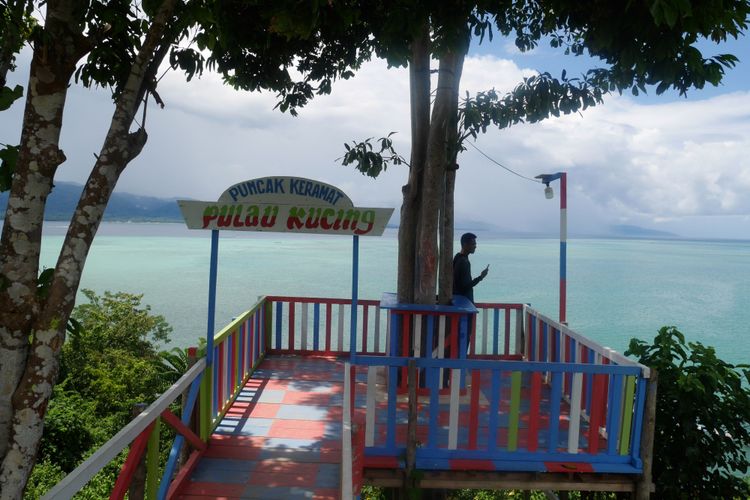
[[278, 324], [182, 429], [377, 331], [430, 353], [494, 411], [496, 332], [390, 434], [434, 382], [519, 331], [370, 408], [290, 326], [341, 328], [152, 461], [492, 480], [627, 415], [441, 343], [474, 409], [555, 399], [417, 335], [365, 321], [303, 327], [615, 405], [454, 336], [184, 474], [328, 327], [131, 463], [485, 332], [598, 403], [405, 338], [506, 347], [574, 426], [515, 413], [534, 417], [453, 409], [316, 327], [346, 445]]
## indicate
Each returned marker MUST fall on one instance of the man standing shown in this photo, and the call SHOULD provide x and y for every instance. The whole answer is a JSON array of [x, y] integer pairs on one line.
[[463, 283]]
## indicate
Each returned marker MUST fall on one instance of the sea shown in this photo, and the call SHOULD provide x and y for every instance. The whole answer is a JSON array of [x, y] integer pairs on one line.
[[617, 289]]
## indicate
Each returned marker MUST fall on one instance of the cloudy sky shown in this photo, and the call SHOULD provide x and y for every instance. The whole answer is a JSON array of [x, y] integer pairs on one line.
[[668, 163]]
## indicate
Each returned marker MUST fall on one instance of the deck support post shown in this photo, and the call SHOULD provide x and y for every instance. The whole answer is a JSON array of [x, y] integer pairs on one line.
[[644, 484], [137, 488]]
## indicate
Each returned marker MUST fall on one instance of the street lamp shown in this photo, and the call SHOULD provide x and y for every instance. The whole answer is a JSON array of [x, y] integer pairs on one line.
[[548, 193]]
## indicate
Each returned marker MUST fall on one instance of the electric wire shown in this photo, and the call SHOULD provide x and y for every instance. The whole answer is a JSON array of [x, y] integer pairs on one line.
[[501, 165]]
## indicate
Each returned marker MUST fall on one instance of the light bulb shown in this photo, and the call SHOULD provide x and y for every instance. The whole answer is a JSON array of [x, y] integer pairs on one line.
[[548, 193]]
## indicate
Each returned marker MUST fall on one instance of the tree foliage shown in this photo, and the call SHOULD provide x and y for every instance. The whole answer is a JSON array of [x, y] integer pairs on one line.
[[119, 45], [702, 419], [635, 46], [111, 357], [111, 362]]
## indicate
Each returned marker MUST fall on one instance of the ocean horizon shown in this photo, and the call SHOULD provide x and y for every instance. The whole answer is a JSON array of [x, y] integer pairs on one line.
[[617, 288]]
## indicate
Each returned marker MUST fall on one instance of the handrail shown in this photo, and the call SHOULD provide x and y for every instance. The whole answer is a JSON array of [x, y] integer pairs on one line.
[[73, 482], [605, 351]]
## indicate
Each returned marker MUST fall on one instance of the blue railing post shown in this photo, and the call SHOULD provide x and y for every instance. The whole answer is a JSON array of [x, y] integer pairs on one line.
[[355, 293], [210, 328]]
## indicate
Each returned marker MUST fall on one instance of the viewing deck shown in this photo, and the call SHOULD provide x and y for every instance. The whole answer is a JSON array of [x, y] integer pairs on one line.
[[293, 404]]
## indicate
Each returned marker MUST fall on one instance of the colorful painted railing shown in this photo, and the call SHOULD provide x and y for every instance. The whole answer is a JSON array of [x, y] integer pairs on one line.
[[506, 418], [557, 402], [142, 434], [305, 325], [237, 350], [532, 396], [549, 341], [498, 330]]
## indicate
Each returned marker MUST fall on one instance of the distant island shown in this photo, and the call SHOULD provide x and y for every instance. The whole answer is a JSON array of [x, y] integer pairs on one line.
[[122, 206], [126, 207]]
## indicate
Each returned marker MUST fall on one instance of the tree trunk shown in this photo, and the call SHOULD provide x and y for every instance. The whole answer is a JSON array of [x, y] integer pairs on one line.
[[52, 65], [419, 80], [48, 328], [440, 155], [445, 277]]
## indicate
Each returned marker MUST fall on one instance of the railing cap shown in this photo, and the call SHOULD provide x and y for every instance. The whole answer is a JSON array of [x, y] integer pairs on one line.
[[460, 305]]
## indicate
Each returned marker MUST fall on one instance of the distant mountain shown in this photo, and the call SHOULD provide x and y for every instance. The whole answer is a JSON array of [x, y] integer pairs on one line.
[[628, 231], [122, 206]]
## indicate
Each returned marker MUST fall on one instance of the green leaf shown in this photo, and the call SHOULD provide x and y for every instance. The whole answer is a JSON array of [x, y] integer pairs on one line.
[[8, 159], [8, 96], [43, 282]]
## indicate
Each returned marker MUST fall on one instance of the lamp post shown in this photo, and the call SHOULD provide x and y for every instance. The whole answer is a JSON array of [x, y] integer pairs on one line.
[[548, 193]]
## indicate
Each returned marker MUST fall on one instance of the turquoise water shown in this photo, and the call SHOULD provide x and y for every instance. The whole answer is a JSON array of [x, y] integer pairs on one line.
[[617, 289]]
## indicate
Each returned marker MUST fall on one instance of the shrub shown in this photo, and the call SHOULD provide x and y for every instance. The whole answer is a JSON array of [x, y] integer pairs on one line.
[[702, 419]]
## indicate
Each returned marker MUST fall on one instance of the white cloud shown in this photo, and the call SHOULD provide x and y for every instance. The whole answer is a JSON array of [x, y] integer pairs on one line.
[[678, 166]]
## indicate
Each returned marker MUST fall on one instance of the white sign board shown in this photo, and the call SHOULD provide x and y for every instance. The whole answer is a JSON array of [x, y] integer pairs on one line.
[[285, 204]]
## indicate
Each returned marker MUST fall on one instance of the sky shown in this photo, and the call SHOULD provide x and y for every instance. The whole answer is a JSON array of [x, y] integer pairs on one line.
[[665, 163]]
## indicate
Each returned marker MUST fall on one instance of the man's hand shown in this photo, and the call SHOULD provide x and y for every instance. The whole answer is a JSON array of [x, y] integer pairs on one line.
[[485, 271]]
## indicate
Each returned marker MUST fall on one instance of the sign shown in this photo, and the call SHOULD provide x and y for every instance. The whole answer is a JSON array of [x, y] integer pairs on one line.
[[285, 204]]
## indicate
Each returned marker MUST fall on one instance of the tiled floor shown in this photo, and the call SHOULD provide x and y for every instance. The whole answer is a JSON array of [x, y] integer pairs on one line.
[[282, 436], [280, 439]]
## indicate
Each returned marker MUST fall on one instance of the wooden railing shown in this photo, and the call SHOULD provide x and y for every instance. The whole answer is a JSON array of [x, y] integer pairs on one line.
[[528, 394], [305, 325], [238, 349], [140, 434]]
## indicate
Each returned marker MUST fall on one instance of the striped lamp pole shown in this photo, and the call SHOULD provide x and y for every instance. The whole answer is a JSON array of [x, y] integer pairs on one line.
[[546, 179]]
